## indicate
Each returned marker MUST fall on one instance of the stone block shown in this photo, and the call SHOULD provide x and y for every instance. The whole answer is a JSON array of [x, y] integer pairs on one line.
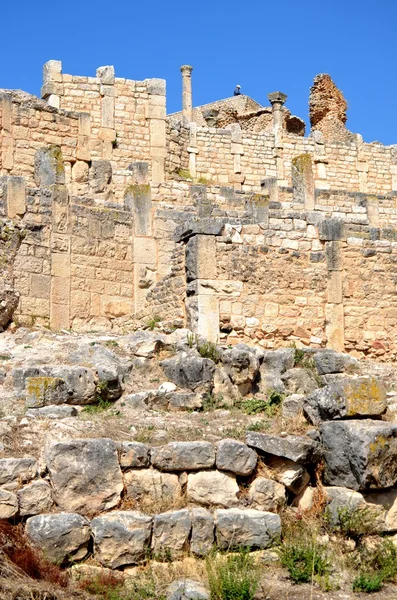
[[145, 251], [183, 456], [62, 537], [235, 457], [134, 455], [266, 494], [157, 132], [106, 74], [52, 71], [212, 488], [156, 86], [16, 197], [152, 485], [8, 504], [249, 528], [35, 498], [296, 448], [171, 531], [16, 470], [203, 531], [40, 286]]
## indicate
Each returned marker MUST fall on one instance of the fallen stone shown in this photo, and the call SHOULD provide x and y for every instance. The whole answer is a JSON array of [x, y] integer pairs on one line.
[[35, 498], [294, 447], [134, 455], [81, 384], [305, 500], [386, 503], [139, 400], [278, 361], [266, 494], [339, 499], [44, 391], [187, 589], [203, 531], [52, 412], [299, 381], [291, 474], [183, 456], [249, 528], [16, 470], [361, 397], [241, 363], [8, 504], [292, 406], [85, 474], [121, 538], [9, 300], [189, 370], [360, 454], [61, 537], [153, 485], [212, 488], [235, 457], [184, 400], [171, 532], [329, 361]]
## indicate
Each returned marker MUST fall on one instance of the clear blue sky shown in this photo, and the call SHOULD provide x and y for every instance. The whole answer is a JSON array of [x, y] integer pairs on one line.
[[264, 45]]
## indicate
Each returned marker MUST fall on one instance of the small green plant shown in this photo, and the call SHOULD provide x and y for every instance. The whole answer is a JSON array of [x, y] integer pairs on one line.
[[212, 402], [258, 426], [368, 582], [111, 344], [352, 522], [101, 406], [304, 559], [184, 173], [270, 405], [5, 357], [233, 576], [204, 348], [152, 322]]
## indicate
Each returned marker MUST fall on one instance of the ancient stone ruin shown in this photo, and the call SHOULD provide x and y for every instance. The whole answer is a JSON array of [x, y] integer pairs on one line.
[[191, 310]]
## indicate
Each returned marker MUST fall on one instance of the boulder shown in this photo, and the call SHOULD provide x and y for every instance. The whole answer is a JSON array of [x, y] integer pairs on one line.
[[16, 470], [171, 531], [43, 391], [235, 457], [109, 367], [134, 455], [224, 387], [121, 538], [299, 381], [339, 499], [183, 456], [52, 412], [346, 398], [189, 370], [385, 504], [330, 361], [146, 344], [266, 494], [278, 361], [294, 447], [85, 474], [203, 531], [35, 498], [212, 488], [9, 300], [360, 454], [8, 504], [62, 536], [153, 485], [248, 528], [58, 384], [241, 364], [292, 406], [184, 400], [187, 589]]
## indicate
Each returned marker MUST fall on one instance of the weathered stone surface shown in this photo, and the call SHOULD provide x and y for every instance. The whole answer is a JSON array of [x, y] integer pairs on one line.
[[299, 381], [121, 538], [171, 531], [184, 400], [85, 474], [294, 447], [8, 504], [361, 397], [327, 108], [189, 370], [235, 457], [386, 502], [59, 384], [9, 300], [61, 536], [238, 528], [212, 488], [152, 484], [15, 470], [35, 498], [328, 361], [52, 412], [292, 406], [278, 361], [360, 454], [266, 494], [241, 363], [187, 589], [203, 531], [291, 474], [43, 391], [183, 456], [134, 455], [340, 499]]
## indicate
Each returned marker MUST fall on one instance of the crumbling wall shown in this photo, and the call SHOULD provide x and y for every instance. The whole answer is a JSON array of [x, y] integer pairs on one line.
[[327, 109]]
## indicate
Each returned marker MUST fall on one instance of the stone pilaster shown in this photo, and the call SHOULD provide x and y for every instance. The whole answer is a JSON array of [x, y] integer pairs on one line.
[[52, 89], [320, 161], [192, 149], [16, 197], [107, 132], [361, 165], [187, 101], [237, 150], [303, 180], [6, 139], [83, 141], [156, 112]]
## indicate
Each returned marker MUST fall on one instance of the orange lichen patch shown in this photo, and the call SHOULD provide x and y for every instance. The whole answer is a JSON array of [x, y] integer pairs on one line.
[[365, 397]]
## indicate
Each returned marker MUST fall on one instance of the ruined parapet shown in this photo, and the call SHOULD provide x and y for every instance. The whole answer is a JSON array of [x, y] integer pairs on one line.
[[327, 109]]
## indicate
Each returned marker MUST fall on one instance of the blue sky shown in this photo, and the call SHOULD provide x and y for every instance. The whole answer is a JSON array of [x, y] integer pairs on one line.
[[264, 45]]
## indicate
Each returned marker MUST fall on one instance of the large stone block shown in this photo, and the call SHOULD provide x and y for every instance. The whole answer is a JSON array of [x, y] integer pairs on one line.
[[8, 504], [184, 456], [236, 457], [266, 494], [16, 470], [85, 474], [298, 448], [238, 528], [151, 485], [35, 498], [360, 454], [121, 538], [203, 531], [212, 488], [188, 370], [63, 536], [171, 531]]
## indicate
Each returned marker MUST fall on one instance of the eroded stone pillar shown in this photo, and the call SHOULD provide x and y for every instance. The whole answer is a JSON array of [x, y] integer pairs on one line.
[[361, 165], [107, 132], [277, 100], [156, 111], [320, 161], [7, 142], [192, 149], [16, 197], [52, 89], [187, 101], [303, 180]]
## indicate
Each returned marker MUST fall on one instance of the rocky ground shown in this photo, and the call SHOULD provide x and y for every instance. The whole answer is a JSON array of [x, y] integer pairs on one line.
[[209, 444]]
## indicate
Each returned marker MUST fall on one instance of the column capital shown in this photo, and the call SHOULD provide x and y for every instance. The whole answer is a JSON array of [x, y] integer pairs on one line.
[[277, 99], [186, 69]]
